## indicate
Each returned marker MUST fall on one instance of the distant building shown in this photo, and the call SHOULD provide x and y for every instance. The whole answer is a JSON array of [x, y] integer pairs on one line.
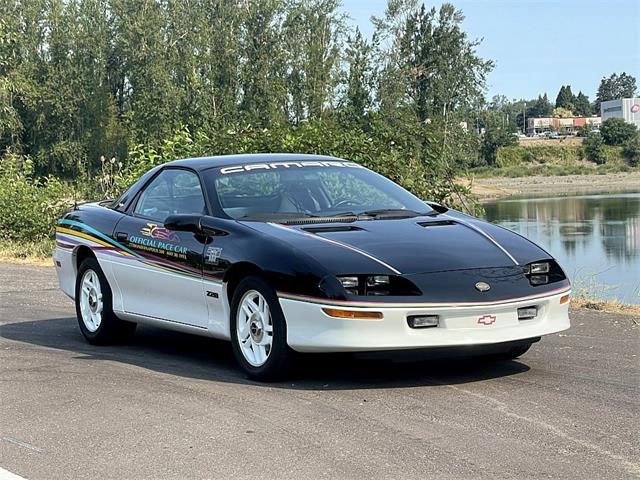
[[564, 126], [626, 108]]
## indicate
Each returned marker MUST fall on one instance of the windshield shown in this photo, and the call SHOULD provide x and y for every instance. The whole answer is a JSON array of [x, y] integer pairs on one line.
[[309, 189]]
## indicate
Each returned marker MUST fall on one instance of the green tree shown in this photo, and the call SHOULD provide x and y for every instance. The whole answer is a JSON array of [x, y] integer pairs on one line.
[[565, 98], [359, 77], [494, 138], [430, 65], [615, 131], [313, 30], [262, 72], [582, 105], [614, 87], [541, 107]]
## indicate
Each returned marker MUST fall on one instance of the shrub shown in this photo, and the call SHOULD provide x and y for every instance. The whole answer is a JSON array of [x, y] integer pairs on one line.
[[631, 150], [29, 207], [594, 150], [415, 156], [615, 131], [528, 154], [494, 139]]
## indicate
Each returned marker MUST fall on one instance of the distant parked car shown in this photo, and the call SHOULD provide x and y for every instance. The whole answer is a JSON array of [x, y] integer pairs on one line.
[[553, 135]]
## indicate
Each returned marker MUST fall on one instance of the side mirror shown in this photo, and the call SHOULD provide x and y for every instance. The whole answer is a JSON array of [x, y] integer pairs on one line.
[[199, 224], [183, 223], [437, 207]]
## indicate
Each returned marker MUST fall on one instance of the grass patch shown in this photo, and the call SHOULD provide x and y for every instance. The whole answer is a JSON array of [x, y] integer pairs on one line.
[[33, 253], [557, 170], [551, 160], [608, 306]]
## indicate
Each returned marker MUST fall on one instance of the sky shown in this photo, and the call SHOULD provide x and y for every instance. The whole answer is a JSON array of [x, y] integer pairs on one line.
[[540, 45]]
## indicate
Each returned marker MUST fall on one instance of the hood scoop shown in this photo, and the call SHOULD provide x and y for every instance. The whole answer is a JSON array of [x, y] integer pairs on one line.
[[437, 223], [333, 228]]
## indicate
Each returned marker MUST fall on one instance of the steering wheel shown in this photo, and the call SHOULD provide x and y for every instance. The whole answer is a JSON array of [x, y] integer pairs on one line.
[[345, 202]]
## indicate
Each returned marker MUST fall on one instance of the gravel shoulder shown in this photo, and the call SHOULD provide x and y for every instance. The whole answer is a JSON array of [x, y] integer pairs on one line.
[[170, 405]]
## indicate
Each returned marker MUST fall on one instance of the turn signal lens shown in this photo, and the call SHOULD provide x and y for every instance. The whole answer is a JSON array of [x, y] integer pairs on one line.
[[564, 299], [353, 314]]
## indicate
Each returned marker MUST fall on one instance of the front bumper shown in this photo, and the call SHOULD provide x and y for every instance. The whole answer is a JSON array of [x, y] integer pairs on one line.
[[309, 329]]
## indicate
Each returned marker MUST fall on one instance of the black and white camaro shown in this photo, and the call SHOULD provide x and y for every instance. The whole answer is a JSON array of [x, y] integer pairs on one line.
[[302, 253]]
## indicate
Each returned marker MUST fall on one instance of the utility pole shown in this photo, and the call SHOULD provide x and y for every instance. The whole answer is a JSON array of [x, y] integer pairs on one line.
[[524, 119]]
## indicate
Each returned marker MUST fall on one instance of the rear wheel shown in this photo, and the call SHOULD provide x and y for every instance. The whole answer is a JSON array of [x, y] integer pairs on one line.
[[96, 319], [259, 331]]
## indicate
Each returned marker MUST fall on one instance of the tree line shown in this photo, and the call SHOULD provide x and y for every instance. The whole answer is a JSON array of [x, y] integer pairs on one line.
[[87, 81], [82, 80]]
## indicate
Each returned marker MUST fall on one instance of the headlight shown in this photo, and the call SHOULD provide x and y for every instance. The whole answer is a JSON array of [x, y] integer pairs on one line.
[[349, 283], [377, 285], [538, 268], [542, 273]]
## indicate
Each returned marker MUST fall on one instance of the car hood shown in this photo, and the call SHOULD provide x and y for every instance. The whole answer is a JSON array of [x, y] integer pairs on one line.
[[406, 246]]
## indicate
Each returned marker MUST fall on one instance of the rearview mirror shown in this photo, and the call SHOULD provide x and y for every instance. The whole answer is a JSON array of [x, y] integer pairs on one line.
[[200, 224]]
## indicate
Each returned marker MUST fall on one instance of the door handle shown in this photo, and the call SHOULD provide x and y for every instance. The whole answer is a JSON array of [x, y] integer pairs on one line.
[[121, 236]]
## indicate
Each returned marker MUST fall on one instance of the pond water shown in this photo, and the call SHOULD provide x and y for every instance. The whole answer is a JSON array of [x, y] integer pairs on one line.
[[596, 238]]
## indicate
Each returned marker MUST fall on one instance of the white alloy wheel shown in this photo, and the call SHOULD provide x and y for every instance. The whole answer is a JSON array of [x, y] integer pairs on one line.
[[254, 328], [91, 305]]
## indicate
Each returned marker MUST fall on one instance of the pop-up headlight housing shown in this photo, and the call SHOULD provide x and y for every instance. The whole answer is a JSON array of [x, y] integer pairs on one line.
[[377, 285], [543, 272]]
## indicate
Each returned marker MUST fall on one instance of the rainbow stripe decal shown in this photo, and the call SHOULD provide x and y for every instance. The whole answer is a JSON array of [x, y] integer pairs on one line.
[[71, 233]]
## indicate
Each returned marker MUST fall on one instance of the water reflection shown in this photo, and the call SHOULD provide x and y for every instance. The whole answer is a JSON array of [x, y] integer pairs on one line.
[[596, 238]]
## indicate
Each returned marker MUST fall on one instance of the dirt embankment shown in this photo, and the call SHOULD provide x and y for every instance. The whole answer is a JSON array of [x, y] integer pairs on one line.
[[498, 187]]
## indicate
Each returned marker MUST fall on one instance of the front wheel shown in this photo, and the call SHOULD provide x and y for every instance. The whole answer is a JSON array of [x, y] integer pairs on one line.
[[96, 319], [259, 331]]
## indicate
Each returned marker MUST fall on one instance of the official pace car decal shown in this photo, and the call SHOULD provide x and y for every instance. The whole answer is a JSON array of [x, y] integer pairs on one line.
[[71, 233], [154, 231], [153, 242]]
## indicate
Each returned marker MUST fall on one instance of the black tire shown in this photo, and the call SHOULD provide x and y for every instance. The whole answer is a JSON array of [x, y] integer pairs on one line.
[[279, 362], [111, 329], [513, 352]]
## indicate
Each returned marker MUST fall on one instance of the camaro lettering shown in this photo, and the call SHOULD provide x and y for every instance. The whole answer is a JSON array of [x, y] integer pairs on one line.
[[276, 165]]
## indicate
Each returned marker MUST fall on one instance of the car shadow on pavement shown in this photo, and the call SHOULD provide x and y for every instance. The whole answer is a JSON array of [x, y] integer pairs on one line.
[[203, 358]]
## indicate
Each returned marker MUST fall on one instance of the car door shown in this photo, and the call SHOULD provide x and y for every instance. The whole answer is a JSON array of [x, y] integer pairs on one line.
[[162, 278]]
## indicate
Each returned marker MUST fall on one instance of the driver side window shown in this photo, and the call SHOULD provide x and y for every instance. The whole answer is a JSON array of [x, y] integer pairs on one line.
[[173, 191]]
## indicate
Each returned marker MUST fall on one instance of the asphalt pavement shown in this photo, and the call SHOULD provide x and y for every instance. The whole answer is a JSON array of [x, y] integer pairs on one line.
[[169, 405]]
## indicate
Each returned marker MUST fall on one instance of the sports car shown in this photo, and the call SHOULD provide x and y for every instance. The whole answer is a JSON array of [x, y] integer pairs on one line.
[[284, 254]]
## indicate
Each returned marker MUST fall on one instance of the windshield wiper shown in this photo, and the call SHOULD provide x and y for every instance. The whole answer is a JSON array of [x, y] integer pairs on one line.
[[391, 212], [271, 216]]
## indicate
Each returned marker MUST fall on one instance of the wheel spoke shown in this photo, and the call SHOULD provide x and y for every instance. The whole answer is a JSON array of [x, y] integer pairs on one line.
[[268, 328], [260, 354], [246, 310], [243, 330]]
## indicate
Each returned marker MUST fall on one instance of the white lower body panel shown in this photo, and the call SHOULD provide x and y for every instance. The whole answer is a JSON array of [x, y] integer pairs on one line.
[[66, 271], [309, 329]]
